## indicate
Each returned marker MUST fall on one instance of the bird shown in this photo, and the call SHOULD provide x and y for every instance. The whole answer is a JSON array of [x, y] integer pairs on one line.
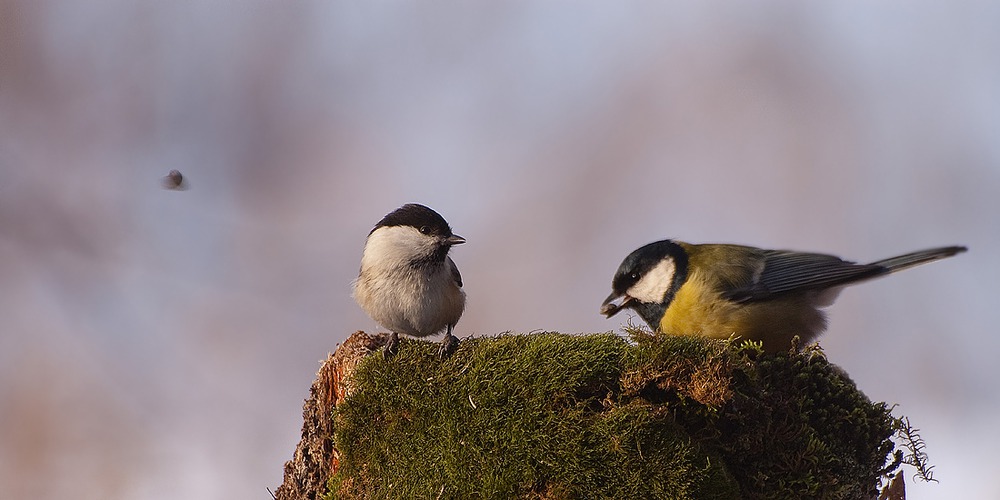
[[734, 291], [407, 282]]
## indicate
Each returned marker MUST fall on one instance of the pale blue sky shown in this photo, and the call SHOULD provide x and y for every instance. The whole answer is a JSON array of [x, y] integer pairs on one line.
[[158, 344]]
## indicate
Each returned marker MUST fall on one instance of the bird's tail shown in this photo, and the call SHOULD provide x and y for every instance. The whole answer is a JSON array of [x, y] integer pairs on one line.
[[906, 261]]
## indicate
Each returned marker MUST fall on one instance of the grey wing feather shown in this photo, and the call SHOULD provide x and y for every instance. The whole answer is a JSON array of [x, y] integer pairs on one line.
[[911, 259], [454, 272], [786, 271]]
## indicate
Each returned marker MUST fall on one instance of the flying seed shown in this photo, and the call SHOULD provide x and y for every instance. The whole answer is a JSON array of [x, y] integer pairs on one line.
[[175, 181]]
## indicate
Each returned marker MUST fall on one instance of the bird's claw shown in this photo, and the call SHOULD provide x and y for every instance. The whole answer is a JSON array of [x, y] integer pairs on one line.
[[448, 346], [391, 346]]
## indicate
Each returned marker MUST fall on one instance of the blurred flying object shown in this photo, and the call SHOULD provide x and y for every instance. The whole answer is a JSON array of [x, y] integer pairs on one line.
[[175, 181]]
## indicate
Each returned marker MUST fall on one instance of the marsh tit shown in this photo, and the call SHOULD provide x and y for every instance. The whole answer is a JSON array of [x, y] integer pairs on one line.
[[724, 291], [408, 283]]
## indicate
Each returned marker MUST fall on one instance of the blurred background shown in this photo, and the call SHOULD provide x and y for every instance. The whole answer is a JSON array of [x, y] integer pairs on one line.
[[158, 344]]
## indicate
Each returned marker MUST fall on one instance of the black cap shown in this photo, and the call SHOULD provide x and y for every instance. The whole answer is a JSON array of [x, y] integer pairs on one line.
[[412, 214]]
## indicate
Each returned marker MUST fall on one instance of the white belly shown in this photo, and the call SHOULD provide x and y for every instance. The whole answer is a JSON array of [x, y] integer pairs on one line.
[[408, 303]]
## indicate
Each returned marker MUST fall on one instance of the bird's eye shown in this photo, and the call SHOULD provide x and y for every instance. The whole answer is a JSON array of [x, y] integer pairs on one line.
[[634, 276], [425, 229]]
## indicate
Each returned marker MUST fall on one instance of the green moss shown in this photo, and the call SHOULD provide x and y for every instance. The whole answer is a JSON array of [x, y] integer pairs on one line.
[[799, 427], [559, 416]]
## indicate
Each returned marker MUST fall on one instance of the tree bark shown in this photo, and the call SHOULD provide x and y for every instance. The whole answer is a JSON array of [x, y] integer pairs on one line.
[[316, 459]]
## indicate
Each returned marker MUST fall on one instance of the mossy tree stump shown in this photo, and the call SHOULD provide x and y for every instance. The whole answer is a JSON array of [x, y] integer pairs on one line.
[[591, 416]]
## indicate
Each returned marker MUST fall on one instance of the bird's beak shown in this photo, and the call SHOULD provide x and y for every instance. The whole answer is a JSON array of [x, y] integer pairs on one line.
[[609, 308], [454, 240]]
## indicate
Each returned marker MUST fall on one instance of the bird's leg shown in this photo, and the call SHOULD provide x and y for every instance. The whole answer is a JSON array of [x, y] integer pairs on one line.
[[448, 344], [391, 346]]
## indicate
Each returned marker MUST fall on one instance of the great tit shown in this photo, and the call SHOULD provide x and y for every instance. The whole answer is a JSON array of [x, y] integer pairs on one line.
[[407, 282], [723, 291]]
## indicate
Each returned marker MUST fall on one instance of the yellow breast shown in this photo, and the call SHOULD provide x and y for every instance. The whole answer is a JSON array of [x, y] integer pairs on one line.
[[697, 309]]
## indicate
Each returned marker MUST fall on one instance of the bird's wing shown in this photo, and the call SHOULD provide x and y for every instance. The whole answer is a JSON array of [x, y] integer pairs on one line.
[[787, 271], [454, 272], [725, 267]]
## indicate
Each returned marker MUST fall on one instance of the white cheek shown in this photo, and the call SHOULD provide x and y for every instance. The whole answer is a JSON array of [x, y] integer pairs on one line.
[[395, 246], [654, 284]]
